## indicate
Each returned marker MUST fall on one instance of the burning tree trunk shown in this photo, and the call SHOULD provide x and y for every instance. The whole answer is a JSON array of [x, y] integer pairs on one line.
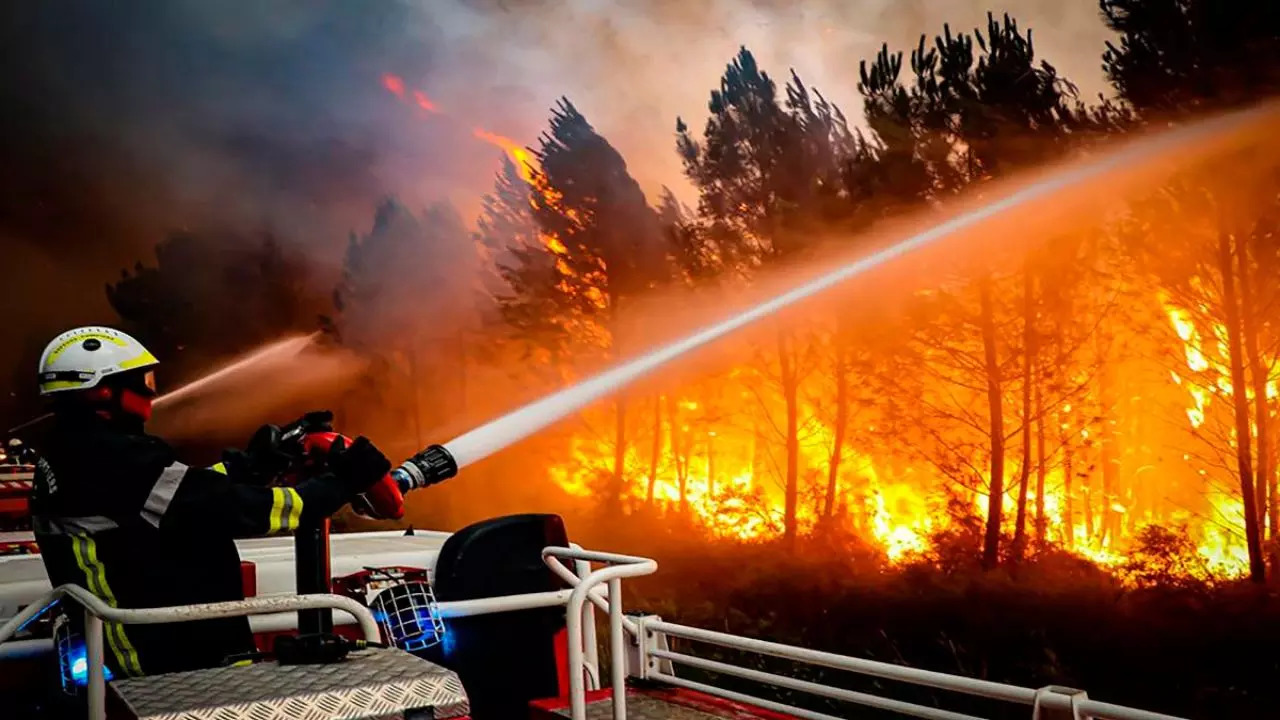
[[619, 452], [991, 540], [655, 450], [1109, 531], [1040, 467], [790, 393], [1068, 511], [839, 429], [1258, 373], [711, 464], [677, 454], [1024, 475], [1230, 301], [1273, 507], [1087, 498]]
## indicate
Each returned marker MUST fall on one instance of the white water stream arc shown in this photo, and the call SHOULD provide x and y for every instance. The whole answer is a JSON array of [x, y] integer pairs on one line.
[[279, 350], [495, 435]]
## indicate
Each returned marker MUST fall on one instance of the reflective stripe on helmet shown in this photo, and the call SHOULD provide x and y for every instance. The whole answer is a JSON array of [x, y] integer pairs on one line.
[[76, 339], [143, 360], [78, 359]]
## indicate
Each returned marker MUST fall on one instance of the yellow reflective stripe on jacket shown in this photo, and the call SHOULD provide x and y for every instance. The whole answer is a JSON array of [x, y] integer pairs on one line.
[[220, 468], [86, 552], [286, 509]]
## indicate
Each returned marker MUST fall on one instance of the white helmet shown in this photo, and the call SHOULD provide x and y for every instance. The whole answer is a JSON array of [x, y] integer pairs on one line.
[[79, 359], [15, 443]]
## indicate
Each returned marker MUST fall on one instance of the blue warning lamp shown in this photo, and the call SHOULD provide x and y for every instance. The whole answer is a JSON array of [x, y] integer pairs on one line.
[[408, 615], [73, 661]]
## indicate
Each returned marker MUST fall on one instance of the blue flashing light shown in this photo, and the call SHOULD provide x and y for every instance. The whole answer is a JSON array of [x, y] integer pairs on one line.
[[407, 614], [76, 659], [418, 633], [448, 642]]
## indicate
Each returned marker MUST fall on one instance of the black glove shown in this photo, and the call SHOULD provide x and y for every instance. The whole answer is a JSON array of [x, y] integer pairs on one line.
[[315, 421], [358, 467]]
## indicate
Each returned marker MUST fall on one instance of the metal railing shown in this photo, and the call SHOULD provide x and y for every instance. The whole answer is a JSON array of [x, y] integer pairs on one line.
[[652, 642], [96, 612], [616, 568], [655, 661], [647, 635]]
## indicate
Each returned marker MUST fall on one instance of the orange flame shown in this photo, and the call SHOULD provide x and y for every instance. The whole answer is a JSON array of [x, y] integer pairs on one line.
[[519, 154], [1222, 543], [709, 468], [394, 84], [424, 102]]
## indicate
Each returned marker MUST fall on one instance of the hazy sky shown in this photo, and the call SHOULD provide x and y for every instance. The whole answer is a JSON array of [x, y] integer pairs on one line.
[[632, 67]]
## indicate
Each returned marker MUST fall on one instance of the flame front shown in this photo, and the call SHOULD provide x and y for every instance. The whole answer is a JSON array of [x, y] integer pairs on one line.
[[719, 465], [518, 153]]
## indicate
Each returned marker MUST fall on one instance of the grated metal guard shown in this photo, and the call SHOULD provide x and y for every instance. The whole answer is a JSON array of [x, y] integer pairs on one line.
[[373, 683], [408, 615]]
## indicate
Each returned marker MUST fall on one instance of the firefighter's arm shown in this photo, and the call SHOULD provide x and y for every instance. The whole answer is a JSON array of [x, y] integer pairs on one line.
[[189, 497]]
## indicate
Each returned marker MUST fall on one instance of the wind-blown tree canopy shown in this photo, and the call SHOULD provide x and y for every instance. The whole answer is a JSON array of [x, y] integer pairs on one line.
[[397, 279], [588, 202]]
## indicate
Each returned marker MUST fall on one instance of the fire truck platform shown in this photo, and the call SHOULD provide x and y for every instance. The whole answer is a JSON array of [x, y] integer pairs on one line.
[[379, 683]]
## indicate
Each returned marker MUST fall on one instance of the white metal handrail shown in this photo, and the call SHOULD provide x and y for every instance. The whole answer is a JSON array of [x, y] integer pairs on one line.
[[617, 568], [96, 611], [1063, 699], [580, 601]]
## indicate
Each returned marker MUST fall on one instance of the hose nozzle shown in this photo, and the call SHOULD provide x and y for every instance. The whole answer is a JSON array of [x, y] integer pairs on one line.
[[428, 467]]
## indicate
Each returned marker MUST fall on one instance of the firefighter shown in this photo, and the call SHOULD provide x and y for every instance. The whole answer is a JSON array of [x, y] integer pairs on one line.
[[19, 454], [116, 512]]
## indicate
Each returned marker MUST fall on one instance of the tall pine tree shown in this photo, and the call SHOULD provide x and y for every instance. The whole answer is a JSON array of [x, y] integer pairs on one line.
[[1210, 234]]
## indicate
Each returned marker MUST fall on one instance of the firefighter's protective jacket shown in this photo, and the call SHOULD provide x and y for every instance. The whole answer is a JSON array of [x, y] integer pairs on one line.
[[114, 511]]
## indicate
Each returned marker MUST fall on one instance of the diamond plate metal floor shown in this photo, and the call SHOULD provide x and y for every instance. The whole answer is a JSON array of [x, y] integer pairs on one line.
[[369, 683]]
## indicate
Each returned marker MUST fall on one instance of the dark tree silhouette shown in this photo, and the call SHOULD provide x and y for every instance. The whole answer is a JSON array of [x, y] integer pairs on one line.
[[769, 177], [405, 296], [599, 246], [1180, 56], [977, 107], [211, 294]]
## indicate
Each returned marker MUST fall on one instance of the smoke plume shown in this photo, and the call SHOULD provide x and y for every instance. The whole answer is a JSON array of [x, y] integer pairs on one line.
[[125, 121]]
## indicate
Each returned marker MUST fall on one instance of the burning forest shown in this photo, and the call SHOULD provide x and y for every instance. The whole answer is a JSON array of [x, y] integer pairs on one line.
[[1088, 384], [1102, 385], [1073, 391]]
